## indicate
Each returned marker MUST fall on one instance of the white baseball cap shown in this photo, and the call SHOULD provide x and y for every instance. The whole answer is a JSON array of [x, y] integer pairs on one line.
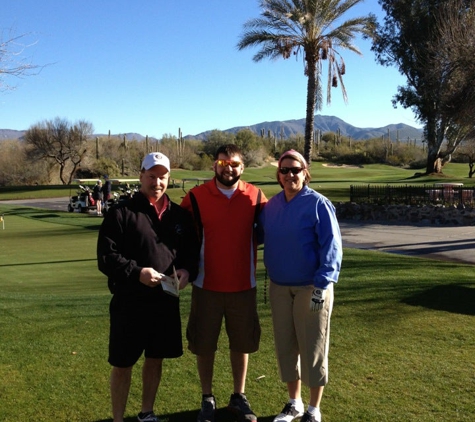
[[155, 159]]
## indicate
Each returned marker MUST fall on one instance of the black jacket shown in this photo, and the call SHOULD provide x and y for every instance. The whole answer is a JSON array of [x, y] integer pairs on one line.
[[132, 237], [97, 192]]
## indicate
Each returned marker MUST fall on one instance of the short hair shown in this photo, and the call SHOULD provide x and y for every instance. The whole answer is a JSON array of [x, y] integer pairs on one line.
[[229, 150]]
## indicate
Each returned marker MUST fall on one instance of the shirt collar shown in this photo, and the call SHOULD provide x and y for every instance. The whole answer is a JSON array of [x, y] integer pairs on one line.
[[164, 206]]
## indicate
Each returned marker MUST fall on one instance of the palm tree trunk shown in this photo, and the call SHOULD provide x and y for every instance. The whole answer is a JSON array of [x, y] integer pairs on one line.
[[310, 115]]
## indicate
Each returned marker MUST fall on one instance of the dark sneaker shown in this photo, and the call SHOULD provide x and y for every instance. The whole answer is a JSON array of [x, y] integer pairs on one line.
[[288, 414], [208, 408], [307, 417], [239, 405], [147, 417]]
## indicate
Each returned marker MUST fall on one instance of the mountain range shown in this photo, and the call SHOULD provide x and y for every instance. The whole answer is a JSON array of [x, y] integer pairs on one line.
[[284, 129]]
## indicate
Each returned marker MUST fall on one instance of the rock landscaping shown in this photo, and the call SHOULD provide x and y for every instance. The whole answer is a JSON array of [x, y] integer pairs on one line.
[[437, 215]]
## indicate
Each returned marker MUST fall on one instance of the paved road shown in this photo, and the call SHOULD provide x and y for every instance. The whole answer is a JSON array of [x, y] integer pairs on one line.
[[448, 243], [55, 204]]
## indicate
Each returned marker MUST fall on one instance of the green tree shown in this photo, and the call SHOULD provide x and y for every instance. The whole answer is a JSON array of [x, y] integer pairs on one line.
[[466, 153], [430, 42], [455, 66], [215, 139], [15, 169], [313, 29]]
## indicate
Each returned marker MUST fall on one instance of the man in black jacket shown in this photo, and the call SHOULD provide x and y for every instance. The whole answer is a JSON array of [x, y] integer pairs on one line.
[[139, 242]]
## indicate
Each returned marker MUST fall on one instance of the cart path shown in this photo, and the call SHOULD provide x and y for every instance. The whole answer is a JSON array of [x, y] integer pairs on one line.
[[455, 243], [54, 204]]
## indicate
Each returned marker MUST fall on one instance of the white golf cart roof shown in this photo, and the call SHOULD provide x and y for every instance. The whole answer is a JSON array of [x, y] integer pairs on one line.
[[122, 181], [85, 181], [113, 181]]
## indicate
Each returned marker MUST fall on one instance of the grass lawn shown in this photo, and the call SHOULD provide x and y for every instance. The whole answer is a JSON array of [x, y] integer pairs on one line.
[[332, 181], [402, 346], [403, 336]]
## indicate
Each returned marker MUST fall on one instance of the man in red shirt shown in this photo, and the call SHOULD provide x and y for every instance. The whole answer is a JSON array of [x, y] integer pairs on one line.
[[225, 210]]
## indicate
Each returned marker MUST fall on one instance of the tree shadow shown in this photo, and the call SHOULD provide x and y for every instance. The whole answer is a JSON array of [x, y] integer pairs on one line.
[[39, 216], [450, 298]]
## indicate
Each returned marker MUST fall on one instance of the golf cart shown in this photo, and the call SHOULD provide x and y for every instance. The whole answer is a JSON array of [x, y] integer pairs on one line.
[[125, 188], [82, 201]]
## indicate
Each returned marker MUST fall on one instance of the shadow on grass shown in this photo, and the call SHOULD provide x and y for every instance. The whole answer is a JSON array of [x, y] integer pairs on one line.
[[58, 217], [222, 415], [46, 216], [449, 298], [264, 183], [16, 210], [49, 262]]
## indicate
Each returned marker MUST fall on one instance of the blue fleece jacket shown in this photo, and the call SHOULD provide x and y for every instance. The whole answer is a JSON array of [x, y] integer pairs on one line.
[[302, 240]]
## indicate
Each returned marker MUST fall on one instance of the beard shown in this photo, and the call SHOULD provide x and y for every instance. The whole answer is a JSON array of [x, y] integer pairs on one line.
[[227, 182]]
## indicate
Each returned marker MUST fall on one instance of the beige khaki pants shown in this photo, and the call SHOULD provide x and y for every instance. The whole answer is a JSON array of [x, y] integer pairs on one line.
[[302, 337]]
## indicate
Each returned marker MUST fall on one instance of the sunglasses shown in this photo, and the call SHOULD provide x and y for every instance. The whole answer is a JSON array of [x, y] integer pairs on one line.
[[293, 170], [224, 163]]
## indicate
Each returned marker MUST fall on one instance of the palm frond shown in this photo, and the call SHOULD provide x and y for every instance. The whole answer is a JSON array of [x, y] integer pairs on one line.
[[315, 28], [318, 91], [329, 82]]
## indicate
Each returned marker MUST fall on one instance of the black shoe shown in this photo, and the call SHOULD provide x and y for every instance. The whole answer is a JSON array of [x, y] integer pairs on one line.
[[239, 405], [147, 417], [288, 414], [307, 417], [208, 408]]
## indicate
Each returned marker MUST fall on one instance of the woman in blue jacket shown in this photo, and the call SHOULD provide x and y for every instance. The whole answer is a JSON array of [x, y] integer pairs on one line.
[[302, 253]]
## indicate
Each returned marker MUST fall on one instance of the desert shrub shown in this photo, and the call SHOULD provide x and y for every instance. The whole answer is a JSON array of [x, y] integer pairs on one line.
[[16, 169]]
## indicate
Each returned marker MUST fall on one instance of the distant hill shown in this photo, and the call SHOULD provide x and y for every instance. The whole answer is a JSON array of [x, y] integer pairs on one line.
[[11, 134], [131, 136], [287, 128], [18, 134]]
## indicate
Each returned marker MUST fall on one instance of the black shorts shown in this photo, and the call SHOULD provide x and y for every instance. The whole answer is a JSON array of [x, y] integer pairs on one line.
[[137, 327]]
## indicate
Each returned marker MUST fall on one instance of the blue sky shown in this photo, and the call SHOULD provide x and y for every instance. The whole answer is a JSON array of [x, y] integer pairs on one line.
[[153, 66]]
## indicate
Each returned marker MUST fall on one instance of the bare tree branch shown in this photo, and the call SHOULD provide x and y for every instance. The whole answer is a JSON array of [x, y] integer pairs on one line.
[[12, 58], [60, 142]]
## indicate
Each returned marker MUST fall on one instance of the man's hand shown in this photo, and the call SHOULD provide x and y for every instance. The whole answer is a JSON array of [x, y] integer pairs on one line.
[[150, 277], [183, 277], [317, 299]]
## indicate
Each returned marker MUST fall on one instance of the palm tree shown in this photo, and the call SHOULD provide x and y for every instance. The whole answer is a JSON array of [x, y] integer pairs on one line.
[[310, 28]]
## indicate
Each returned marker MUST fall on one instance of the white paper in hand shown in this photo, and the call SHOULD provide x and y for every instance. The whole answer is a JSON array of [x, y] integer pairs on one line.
[[171, 285]]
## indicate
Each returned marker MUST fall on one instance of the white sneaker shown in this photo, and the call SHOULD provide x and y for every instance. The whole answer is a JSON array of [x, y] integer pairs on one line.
[[289, 413]]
